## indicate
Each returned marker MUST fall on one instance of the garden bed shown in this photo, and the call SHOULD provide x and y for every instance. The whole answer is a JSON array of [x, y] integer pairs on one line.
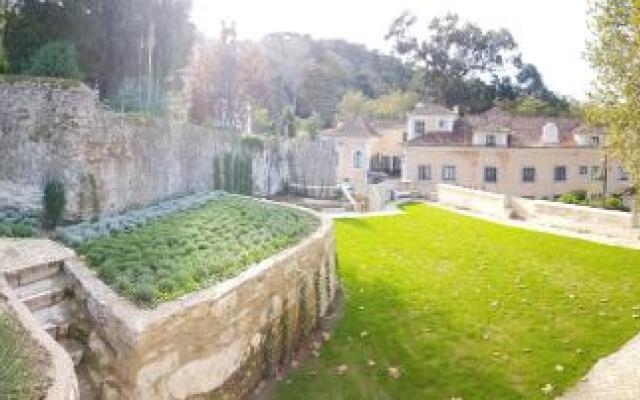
[[163, 257], [16, 224]]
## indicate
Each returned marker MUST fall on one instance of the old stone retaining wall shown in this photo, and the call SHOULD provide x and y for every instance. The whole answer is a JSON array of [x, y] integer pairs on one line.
[[63, 381], [574, 217], [110, 162], [560, 215], [218, 343]]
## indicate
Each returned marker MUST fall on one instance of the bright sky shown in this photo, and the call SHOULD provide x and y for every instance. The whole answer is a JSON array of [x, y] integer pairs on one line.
[[551, 33]]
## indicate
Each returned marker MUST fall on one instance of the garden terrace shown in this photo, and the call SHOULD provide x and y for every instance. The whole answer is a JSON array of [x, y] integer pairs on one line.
[[440, 306], [160, 254]]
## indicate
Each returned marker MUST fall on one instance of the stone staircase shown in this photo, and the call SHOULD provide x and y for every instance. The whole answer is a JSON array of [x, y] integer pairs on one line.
[[47, 292]]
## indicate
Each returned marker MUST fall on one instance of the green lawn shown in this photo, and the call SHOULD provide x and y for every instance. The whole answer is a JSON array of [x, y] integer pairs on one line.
[[17, 374], [191, 250], [468, 309]]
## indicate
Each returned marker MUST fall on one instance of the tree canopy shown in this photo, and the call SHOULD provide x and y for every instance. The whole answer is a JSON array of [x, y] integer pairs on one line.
[[616, 96], [462, 64], [116, 40]]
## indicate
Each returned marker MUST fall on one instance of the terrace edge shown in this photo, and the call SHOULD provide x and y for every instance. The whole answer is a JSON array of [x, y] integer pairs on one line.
[[232, 327]]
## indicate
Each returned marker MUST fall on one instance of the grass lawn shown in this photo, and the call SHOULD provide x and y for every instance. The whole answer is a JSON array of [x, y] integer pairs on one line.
[[468, 309], [191, 250], [17, 375]]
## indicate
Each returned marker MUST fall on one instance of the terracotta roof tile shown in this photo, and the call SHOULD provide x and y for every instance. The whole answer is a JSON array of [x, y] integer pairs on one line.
[[523, 131]]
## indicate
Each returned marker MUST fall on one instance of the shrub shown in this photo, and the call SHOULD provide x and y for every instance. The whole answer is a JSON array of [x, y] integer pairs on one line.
[[134, 97], [614, 203], [16, 224], [579, 195], [568, 198], [55, 59], [54, 203]]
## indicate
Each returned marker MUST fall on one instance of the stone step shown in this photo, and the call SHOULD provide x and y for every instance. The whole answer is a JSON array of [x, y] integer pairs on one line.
[[75, 349], [45, 292], [27, 275], [56, 319]]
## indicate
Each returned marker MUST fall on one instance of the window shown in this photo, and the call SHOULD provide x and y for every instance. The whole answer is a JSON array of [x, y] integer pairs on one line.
[[622, 174], [449, 173], [528, 174], [584, 170], [419, 127], [560, 174], [595, 173], [424, 172], [490, 140], [595, 140], [442, 124], [358, 159], [490, 174]]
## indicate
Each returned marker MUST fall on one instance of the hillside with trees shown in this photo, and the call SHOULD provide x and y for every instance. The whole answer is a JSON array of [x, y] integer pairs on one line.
[[287, 83]]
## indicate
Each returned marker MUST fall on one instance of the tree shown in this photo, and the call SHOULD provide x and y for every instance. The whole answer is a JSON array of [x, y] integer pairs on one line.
[[117, 40], [56, 59], [353, 104], [319, 90], [394, 105], [455, 57], [614, 56]]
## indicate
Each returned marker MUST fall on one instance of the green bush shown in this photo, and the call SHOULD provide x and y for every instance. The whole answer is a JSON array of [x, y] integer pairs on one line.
[[55, 59], [568, 198], [54, 203], [579, 195], [614, 203]]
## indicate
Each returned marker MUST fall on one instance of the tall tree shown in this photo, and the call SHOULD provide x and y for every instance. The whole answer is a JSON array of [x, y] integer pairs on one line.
[[614, 56], [117, 40], [455, 57]]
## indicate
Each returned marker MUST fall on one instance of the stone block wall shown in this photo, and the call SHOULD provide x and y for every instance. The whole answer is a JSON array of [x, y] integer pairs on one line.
[[219, 343], [56, 129]]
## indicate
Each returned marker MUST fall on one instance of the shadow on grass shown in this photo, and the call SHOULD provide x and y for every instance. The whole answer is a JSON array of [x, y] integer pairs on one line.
[[380, 327]]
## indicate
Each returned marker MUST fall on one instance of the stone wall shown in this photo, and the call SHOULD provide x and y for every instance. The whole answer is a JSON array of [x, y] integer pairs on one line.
[[475, 200], [110, 162], [62, 377], [574, 217], [546, 213], [219, 343]]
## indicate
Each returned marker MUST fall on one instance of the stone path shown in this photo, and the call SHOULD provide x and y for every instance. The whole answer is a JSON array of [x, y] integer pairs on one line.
[[20, 253], [616, 377]]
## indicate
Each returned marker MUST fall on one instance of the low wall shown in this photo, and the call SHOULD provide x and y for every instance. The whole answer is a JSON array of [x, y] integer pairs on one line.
[[475, 200], [219, 343], [572, 216], [61, 373]]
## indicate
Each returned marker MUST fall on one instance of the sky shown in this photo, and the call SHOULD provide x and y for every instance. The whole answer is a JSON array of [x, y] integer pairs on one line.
[[551, 33]]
